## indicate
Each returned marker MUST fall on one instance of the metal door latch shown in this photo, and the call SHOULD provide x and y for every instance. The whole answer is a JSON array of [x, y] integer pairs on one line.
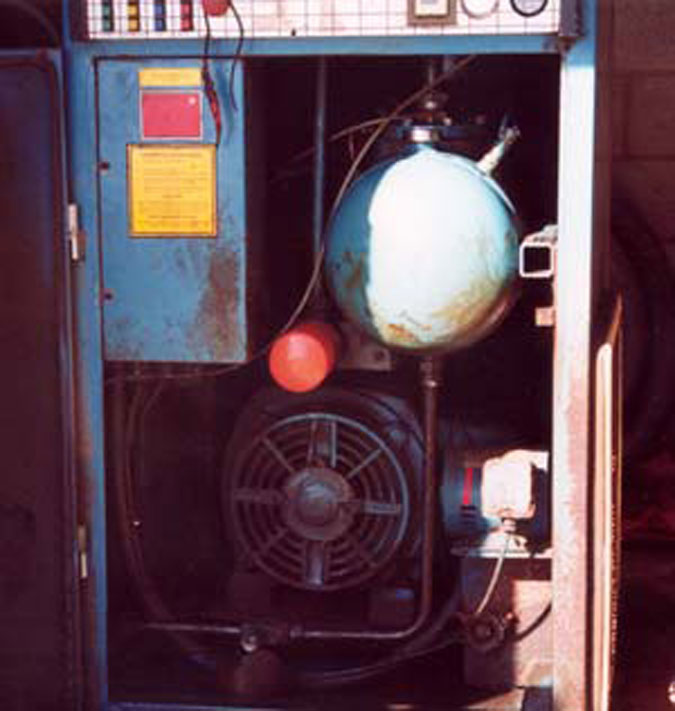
[[76, 238]]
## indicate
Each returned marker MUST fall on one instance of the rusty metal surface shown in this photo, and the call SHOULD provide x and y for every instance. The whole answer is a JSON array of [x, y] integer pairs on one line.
[[422, 252], [524, 591], [216, 323], [172, 298], [572, 374]]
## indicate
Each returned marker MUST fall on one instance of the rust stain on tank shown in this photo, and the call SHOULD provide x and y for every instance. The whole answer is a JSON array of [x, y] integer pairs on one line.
[[355, 279], [216, 328], [397, 334], [469, 306]]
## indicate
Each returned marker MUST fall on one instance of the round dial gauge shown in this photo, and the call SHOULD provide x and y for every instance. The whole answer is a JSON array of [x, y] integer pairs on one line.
[[479, 8], [529, 8]]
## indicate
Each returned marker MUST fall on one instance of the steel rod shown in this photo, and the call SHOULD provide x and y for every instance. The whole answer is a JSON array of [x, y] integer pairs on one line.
[[319, 185]]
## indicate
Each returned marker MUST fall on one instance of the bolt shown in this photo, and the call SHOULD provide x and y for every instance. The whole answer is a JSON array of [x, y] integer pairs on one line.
[[250, 642], [482, 631]]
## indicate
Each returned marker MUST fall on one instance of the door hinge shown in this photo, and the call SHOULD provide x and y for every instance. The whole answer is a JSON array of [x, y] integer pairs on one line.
[[82, 551], [76, 237]]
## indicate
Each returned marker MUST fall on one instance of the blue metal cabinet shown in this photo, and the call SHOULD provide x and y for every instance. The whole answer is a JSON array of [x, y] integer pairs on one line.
[[172, 297]]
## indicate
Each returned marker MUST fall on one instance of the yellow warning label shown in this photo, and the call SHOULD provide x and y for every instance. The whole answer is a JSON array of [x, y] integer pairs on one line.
[[172, 190], [169, 76]]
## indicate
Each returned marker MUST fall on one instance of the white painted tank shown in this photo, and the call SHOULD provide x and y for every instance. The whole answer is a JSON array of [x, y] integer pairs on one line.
[[422, 252]]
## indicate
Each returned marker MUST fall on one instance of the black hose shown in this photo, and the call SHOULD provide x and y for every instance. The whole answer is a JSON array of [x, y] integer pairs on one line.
[[132, 423], [650, 333], [424, 644]]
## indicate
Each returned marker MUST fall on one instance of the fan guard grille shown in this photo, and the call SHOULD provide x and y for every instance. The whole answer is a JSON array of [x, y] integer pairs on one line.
[[318, 501]]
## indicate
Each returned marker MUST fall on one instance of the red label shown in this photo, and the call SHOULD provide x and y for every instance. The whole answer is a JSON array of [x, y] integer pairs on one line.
[[171, 114], [467, 498]]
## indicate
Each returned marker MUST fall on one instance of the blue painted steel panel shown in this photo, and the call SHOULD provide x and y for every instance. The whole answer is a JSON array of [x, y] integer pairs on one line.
[[331, 46], [177, 299], [86, 278]]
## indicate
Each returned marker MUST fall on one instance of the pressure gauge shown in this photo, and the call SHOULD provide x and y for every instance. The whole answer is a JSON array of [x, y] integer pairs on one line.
[[529, 8], [479, 8]]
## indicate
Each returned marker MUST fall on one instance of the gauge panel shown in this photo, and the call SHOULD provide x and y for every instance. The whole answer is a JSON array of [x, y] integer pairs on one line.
[[292, 19], [529, 8]]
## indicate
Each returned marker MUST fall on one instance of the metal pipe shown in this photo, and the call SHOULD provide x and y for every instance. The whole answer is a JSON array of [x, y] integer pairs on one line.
[[430, 380], [430, 372], [319, 163], [195, 628], [489, 162]]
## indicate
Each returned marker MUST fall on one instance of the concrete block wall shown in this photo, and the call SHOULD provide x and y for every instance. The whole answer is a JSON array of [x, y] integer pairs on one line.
[[643, 88]]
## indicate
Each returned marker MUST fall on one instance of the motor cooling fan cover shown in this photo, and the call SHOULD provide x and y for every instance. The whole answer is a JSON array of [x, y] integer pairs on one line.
[[319, 491]]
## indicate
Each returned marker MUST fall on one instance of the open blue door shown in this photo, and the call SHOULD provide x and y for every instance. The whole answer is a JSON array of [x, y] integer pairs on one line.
[[39, 651]]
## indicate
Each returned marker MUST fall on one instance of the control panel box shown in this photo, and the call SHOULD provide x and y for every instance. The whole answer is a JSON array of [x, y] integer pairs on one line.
[[175, 234], [163, 19]]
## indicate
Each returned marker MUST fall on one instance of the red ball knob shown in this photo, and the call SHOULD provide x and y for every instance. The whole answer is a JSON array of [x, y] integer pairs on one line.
[[302, 358], [215, 8]]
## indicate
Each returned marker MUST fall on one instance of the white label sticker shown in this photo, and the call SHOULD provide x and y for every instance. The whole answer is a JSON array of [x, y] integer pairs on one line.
[[432, 8]]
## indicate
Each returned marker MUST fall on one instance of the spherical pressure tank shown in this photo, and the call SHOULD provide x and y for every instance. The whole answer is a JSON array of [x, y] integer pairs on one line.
[[422, 252]]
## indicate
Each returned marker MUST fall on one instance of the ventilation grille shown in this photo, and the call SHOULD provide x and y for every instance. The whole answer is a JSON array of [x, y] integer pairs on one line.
[[318, 501]]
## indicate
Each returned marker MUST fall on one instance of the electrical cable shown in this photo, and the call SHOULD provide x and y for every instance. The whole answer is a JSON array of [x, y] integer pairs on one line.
[[318, 262], [130, 522], [536, 622], [237, 52], [448, 611], [209, 86], [346, 132], [422, 645], [494, 579], [416, 648], [650, 319]]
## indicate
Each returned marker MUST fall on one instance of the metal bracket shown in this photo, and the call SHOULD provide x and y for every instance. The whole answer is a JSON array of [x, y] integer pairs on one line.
[[571, 21], [537, 259], [537, 256], [75, 236], [362, 353]]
